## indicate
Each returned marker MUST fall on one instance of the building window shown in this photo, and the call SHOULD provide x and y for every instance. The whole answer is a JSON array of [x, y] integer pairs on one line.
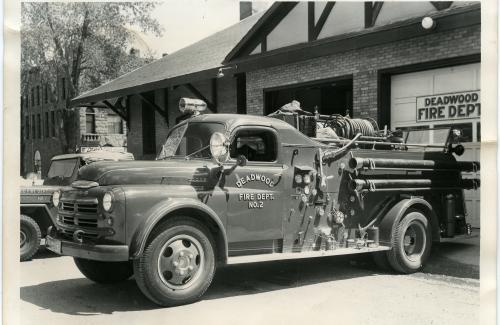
[[27, 126], [33, 127], [32, 97], [39, 126], [38, 95], [63, 88], [115, 124], [90, 120], [46, 132], [53, 123], [46, 94]]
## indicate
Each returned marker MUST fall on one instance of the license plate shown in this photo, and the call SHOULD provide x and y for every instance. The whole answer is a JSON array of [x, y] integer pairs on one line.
[[53, 245]]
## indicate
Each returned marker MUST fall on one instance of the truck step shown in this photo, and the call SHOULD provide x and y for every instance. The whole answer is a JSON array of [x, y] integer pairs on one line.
[[290, 256]]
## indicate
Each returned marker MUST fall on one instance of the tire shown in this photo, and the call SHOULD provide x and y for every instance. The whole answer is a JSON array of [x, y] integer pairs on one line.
[[411, 243], [30, 236], [178, 263], [104, 272]]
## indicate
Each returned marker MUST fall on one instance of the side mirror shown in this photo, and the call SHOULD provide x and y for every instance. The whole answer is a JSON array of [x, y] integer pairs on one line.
[[219, 147]]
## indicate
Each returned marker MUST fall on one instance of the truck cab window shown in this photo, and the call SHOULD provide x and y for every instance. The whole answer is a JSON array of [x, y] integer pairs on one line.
[[255, 145]]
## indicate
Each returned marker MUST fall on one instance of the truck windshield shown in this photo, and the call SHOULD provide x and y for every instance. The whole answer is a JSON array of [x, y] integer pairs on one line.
[[191, 139], [437, 136], [61, 171]]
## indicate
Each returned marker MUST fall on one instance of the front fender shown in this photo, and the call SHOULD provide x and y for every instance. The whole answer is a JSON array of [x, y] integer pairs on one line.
[[162, 209], [394, 215]]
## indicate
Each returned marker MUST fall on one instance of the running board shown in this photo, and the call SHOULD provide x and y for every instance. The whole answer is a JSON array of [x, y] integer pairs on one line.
[[298, 255]]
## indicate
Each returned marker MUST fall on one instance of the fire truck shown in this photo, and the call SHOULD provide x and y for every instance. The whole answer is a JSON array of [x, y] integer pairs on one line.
[[228, 189]]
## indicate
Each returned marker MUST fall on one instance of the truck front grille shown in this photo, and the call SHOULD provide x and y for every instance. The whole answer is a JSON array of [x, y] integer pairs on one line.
[[90, 208], [79, 221], [79, 213]]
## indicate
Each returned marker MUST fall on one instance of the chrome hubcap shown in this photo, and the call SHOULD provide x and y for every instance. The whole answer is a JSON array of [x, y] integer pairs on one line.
[[414, 241], [23, 238], [180, 262]]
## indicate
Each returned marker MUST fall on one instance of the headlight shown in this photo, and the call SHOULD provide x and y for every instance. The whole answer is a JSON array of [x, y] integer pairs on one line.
[[55, 198], [107, 201], [298, 179], [307, 179]]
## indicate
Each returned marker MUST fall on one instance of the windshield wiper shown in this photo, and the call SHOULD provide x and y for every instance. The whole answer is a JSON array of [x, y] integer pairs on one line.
[[195, 152]]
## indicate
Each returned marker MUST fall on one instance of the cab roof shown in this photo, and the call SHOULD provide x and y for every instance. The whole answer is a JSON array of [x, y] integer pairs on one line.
[[287, 131], [233, 120]]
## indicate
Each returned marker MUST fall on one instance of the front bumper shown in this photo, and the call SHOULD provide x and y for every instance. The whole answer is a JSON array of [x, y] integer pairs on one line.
[[106, 253]]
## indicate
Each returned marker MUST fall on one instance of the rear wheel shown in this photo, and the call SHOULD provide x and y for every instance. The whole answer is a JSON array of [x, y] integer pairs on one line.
[[411, 243], [30, 236], [104, 272], [178, 263]]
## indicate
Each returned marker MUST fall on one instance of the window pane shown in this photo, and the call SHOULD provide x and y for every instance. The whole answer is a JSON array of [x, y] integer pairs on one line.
[[254, 145], [27, 126], [89, 120], [47, 124], [465, 128], [114, 124], [53, 123]]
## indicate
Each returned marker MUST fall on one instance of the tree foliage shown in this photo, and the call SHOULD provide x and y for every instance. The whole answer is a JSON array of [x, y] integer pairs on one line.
[[85, 42]]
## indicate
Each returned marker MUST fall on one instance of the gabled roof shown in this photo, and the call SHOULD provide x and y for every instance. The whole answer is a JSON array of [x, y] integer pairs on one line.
[[194, 62]]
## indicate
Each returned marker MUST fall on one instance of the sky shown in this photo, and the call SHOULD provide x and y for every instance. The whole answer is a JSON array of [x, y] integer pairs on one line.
[[187, 21]]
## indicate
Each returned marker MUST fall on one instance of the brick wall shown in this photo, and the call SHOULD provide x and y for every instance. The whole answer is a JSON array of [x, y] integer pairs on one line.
[[363, 65]]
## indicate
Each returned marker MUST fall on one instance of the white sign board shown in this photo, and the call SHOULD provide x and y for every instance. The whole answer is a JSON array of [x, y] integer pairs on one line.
[[451, 106]]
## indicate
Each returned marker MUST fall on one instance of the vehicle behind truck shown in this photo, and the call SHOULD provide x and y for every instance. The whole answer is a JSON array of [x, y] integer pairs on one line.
[[37, 211], [230, 188]]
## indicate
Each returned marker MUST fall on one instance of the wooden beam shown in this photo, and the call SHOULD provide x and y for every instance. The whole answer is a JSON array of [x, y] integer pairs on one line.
[[321, 21], [154, 106], [263, 44], [311, 19], [441, 5], [372, 10], [199, 95], [115, 109], [166, 98], [214, 92], [272, 18]]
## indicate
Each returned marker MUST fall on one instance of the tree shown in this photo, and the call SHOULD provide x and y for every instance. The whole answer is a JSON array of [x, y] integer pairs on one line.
[[84, 42]]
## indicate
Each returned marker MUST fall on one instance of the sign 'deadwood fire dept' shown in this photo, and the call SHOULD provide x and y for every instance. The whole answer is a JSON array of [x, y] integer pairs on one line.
[[451, 106]]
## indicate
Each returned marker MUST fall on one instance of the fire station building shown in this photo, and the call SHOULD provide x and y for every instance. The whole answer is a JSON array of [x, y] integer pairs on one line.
[[404, 64]]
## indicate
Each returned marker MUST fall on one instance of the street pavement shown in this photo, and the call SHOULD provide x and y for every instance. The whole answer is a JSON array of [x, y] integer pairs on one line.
[[344, 289]]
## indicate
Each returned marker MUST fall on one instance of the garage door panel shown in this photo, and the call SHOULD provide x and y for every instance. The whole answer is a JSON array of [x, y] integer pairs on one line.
[[405, 113], [454, 82], [411, 85]]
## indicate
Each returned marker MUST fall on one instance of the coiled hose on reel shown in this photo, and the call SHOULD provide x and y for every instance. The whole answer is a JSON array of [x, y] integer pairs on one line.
[[348, 128]]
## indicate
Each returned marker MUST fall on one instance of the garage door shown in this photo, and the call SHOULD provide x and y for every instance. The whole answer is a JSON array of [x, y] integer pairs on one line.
[[437, 97]]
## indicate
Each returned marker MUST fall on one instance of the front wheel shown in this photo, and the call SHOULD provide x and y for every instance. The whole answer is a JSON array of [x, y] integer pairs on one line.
[[30, 236], [178, 263], [104, 272], [411, 243]]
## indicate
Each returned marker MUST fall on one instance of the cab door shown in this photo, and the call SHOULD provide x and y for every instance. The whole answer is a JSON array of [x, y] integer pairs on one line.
[[254, 191]]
